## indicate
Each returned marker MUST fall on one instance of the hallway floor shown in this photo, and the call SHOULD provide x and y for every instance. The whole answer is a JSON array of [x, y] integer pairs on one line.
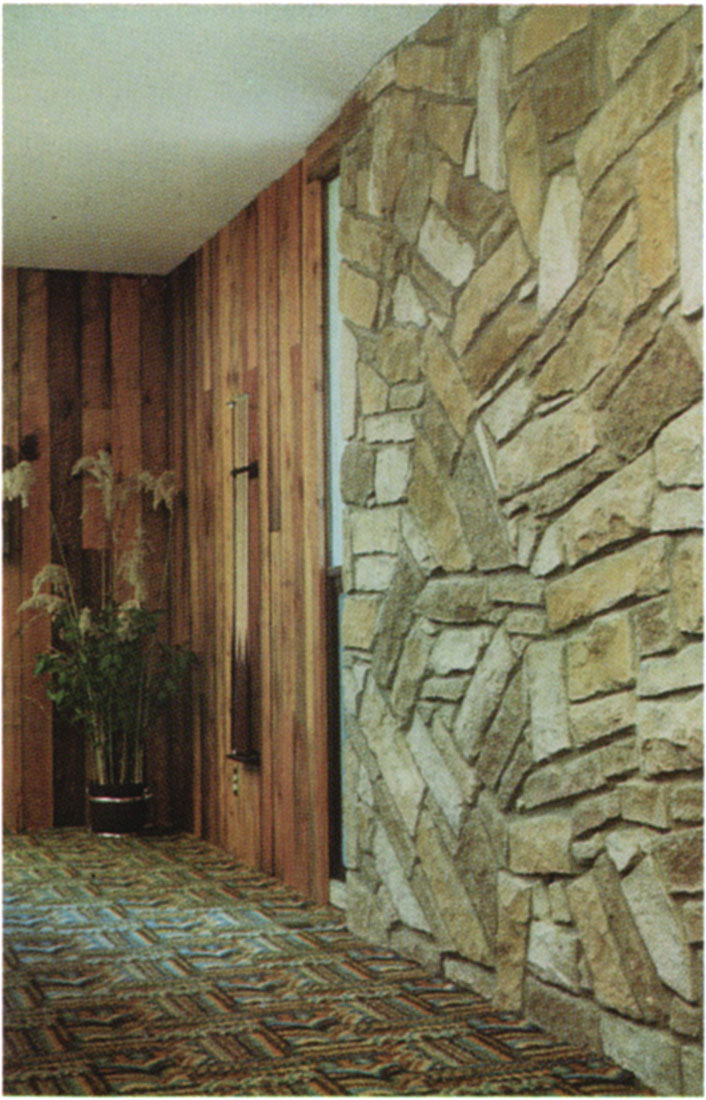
[[158, 966]]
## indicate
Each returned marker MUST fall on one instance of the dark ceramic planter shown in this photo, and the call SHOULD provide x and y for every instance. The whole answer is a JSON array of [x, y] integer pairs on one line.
[[117, 810]]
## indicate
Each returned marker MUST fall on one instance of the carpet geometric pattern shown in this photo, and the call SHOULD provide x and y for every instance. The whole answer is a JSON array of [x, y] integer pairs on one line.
[[158, 966]]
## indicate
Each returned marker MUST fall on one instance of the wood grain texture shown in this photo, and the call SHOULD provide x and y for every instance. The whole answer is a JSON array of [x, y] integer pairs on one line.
[[147, 367]]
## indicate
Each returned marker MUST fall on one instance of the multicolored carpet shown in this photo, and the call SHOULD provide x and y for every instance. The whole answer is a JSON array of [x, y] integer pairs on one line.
[[156, 965]]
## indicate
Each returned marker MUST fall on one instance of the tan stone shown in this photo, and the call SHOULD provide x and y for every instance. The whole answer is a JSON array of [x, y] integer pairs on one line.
[[657, 919], [454, 904], [607, 200], [398, 357], [636, 337], [360, 242], [679, 450], [358, 624], [654, 625], [498, 345], [624, 235], [393, 756], [393, 129], [488, 288], [587, 773], [489, 148], [616, 509], [686, 802], [624, 977], [652, 1055], [656, 208], [595, 719], [524, 170], [358, 296], [687, 584], [565, 1015], [671, 672], [592, 812], [544, 447], [671, 734], [593, 339], [566, 89], [447, 125], [632, 109], [540, 845], [693, 919], [601, 658], [680, 860], [422, 66], [634, 30], [644, 803], [437, 512], [541, 28], [372, 389], [641, 570]]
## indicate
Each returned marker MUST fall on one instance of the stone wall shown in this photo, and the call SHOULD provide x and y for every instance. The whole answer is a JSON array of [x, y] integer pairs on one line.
[[521, 282]]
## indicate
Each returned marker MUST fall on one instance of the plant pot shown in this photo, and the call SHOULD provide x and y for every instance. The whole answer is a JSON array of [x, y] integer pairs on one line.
[[116, 810]]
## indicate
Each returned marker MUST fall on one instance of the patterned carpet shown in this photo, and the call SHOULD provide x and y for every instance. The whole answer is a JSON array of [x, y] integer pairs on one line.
[[155, 965]]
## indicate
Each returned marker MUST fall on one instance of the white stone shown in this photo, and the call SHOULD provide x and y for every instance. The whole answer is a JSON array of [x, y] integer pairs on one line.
[[349, 358], [553, 953], [470, 167], [391, 427], [559, 242], [679, 453], [689, 200], [678, 510], [417, 544], [550, 552], [445, 249], [652, 1055], [676, 721], [490, 120], [392, 468], [673, 672], [395, 761], [658, 922], [375, 530], [484, 693], [458, 650], [408, 310], [625, 845], [374, 572], [392, 874], [544, 672], [509, 409], [433, 767]]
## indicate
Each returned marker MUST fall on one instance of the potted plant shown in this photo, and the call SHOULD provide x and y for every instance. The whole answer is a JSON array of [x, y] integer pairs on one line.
[[108, 669]]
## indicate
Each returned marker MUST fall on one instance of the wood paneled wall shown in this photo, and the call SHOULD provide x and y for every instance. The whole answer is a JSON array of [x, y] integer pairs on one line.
[[148, 366], [247, 315], [85, 367]]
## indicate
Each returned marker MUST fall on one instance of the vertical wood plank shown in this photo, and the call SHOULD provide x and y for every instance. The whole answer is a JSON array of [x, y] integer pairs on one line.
[[126, 419], [289, 350], [11, 576], [164, 779], [66, 492], [37, 768], [266, 240], [315, 533], [96, 424]]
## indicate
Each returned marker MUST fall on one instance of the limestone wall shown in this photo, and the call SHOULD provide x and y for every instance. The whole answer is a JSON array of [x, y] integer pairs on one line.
[[521, 284]]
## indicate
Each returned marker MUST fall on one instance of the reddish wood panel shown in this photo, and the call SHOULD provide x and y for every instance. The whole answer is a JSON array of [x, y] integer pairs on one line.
[[257, 313], [85, 367], [37, 748], [12, 567]]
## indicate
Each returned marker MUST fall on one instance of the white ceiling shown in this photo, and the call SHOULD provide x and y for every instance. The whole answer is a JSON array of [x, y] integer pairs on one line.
[[134, 132]]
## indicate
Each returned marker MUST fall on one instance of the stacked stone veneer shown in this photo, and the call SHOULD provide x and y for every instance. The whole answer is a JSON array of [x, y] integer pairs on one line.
[[521, 283]]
